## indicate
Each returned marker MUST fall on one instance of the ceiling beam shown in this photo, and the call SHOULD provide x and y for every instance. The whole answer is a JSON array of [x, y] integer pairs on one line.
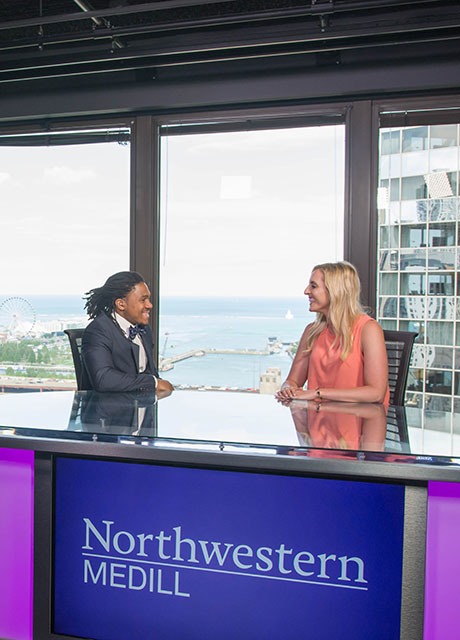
[[101, 13], [316, 8], [140, 60], [87, 7], [405, 26]]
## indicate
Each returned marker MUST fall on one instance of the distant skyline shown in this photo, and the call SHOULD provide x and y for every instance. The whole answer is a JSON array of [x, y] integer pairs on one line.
[[248, 213]]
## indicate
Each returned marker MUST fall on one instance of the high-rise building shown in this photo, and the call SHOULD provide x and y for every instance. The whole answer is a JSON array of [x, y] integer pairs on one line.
[[419, 255]]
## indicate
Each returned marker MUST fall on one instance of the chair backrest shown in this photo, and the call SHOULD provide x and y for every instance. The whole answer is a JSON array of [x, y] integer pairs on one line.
[[399, 348], [75, 336], [397, 436]]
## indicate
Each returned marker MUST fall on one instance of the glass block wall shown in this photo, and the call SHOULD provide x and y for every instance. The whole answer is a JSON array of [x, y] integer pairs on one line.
[[419, 255]]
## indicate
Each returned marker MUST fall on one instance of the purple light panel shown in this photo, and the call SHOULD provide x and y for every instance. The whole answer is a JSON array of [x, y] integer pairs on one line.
[[16, 543], [442, 578]]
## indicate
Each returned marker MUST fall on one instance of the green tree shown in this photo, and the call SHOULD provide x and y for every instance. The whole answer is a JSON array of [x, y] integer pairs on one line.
[[7, 352]]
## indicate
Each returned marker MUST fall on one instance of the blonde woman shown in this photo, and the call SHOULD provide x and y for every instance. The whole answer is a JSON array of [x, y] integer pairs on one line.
[[342, 354]]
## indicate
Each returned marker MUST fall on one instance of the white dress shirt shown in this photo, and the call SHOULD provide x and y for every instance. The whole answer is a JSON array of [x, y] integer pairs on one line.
[[124, 326]]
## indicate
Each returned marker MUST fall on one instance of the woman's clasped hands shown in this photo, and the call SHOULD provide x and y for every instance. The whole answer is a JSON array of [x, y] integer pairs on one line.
[[290, 392]]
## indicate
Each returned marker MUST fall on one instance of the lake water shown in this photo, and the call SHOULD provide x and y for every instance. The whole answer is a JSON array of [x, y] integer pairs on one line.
[[188, 323]]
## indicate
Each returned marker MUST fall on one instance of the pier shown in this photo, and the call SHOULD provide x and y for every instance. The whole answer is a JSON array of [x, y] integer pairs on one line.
[[243, 352], [166, 364]]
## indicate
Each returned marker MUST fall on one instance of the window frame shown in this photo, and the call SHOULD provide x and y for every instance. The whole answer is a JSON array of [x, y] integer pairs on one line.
[[359, 227]]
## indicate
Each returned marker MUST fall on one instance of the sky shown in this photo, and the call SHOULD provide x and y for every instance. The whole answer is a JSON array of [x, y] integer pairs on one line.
[[250, 213], [244, 213], [64, 217]]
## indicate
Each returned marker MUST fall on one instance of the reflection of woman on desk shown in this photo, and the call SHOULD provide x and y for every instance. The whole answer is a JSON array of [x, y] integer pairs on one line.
[[336, 425], [342, 354]]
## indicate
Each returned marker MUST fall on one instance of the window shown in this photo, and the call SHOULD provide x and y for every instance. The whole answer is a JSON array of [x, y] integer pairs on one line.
[[65, 229], [444, 135], [414, 139], [245, 215]]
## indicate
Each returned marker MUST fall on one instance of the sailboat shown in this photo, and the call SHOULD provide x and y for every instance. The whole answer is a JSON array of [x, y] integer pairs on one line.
[[289, 315]]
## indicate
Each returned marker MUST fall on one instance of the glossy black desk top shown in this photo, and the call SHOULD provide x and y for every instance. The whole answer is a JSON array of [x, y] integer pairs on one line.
[[247, 424]]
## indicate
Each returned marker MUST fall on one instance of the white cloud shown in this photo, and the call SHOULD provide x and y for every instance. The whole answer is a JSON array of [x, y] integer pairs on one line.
[[274, 140], [235, 187], [5, 177], [67, 175]]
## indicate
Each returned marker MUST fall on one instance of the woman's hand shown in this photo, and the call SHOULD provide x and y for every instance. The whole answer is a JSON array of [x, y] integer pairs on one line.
[[306, 394], [287, 392]]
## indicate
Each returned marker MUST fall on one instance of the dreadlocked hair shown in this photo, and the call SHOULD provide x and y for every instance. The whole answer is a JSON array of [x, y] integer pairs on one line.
[[102, 299]]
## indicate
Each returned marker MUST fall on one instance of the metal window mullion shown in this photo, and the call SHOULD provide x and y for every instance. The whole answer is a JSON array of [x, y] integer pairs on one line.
[[361, 186], [144, 228], [43, 127], [413, 117], [251, 124]]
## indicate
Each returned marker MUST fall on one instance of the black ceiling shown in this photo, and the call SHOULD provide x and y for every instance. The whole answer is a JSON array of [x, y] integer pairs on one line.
[[44, 39]]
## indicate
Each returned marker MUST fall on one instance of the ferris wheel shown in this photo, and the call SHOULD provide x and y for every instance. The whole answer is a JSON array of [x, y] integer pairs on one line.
[[17, 316]]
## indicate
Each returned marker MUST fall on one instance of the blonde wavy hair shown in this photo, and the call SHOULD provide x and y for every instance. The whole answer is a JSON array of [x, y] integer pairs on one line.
[[342, 283]]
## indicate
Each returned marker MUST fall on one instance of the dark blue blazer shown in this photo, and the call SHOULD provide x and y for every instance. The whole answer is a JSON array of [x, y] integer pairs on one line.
[[111, 361]]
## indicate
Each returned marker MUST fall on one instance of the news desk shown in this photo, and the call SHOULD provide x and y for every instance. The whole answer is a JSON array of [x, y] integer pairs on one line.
[[225, 515]]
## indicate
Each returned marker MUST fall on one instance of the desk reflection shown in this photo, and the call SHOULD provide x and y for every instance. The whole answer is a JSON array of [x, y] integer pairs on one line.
[[130, 413], [342, 426]]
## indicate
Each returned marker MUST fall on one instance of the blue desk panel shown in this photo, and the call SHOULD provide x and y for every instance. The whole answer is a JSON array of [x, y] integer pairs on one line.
[[151, 551]]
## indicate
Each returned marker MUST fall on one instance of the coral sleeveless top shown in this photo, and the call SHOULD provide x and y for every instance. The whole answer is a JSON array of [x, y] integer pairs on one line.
[[327, 370]]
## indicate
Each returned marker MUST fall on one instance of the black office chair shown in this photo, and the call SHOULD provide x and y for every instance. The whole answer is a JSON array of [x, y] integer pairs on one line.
[[75, 336], [399, 349], [397, 436]]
